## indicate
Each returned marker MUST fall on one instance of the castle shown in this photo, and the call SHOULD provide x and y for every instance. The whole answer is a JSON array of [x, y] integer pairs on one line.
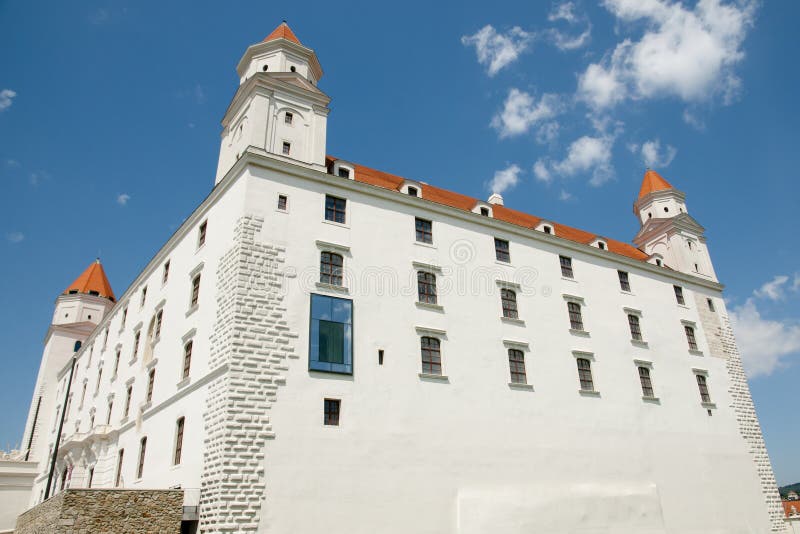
[[324, 347]]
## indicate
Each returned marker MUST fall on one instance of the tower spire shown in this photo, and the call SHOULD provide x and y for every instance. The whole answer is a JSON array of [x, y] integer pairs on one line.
[[92, 281], [283, 31]]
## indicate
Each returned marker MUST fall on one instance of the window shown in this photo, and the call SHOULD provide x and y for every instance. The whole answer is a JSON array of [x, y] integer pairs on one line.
[[335, 209], [165, 273], [485, 212], [426, 287], [159, 320], [187, 359], [566, 267], [332, 409], [548, 230], [201, 234], [647, 384], [710, 305], [144, 296], [151, 380], [624, 281], [413, 191], [431, 356], [585, 374], [83, 394], [105, 339], [128, 396], [575, 316], [516, 363], [283, 202], [287, 119], [509, 301], [195, 291], [118, 478], [331, 335], [116, 361], [110, 411], [601, 245], [344, 173], [690, 337], [97, 384], [424, 230], [636, 331], [659, 262], [286, 148], [501, 251], [142, 450], [136, 338], [91, 476], [380, 356], [702, 386], [124, 317], [330, 268], [176, 458], [679, 295]]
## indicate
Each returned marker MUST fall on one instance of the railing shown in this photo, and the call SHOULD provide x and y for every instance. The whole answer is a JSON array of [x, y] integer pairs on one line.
[[191, 504]]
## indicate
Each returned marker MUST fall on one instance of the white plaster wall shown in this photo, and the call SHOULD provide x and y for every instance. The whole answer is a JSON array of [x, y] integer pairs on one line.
[[441, 447], [16, 478]]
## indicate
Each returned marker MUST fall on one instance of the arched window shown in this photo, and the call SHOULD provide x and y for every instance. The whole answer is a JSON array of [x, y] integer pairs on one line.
[[509, 300], [330, 268], [585, 374], [187, 359], [431, 356], [647, 384], [140, 465], [636, 330], [426, 287], [77, 346], [516, 363], [176, 459]]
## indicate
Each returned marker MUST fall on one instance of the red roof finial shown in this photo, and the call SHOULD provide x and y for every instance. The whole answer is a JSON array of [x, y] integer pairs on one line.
[[653, 182], [283, 31], [92, 281]]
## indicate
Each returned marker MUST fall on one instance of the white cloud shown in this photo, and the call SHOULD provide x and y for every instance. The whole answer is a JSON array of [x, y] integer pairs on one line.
[[588, 154], [521, 111], [764, 344], [15, 237], [565, 42], [688, 53], [123, 198], [563, 11], [548, 133], [693, 120], [12, 164], [654, 157], [775, 289], [497, 50], [505, 179], [6, 96], [541, 172], [564, 195]]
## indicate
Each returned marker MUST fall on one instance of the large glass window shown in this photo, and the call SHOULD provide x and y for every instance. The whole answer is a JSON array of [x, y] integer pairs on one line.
[[331, 336]]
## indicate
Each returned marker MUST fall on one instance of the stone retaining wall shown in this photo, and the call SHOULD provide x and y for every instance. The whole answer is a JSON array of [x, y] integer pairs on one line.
[[100, 511]]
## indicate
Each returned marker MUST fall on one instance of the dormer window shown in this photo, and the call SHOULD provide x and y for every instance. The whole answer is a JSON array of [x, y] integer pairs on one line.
[[287, 118], [485, 212], [343, 169], [658, 262], [287, 147], [483, 209], [601, 245], [344, 173], [547, 230], [413, 191], [546, 227]]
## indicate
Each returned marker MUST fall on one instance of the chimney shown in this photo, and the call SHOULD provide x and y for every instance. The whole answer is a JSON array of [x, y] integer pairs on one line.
[[496, 199]]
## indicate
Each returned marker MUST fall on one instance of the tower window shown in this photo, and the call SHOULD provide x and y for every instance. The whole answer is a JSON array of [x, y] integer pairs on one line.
[[666, 209], [624, 281], [165, 274], [293, 68], [332, 408], [413, 191], [566, 267], [330, 339], [508, 299], [679, 295], [287, 147], [710, 305], [516, 364], [424, 229], [265, 68], [426, 287], [330, 268], [287, 119], [335, 209], [283, 202], [649, 215], [94, 293], [501, 250], [431, 356], [144, 296]]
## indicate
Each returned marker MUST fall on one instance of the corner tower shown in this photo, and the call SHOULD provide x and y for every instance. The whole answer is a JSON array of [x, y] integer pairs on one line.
[[78, 310], [667, 230], [278, 110]]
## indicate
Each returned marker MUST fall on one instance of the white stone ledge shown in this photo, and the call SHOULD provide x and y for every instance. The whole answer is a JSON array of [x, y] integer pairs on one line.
[[519, 385], [439, 378]]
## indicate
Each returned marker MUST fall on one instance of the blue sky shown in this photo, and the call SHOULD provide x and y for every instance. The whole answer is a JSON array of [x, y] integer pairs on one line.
[[109, 132]]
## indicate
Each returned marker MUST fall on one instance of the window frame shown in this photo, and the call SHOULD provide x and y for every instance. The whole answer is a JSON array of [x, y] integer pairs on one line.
[[335, 210], [422, 234], [188, 346], [509, 303], [180, 429], [331, 412], [194, 292], [331, 273], [433, 351], [202, 233], [635, 326], [516, 361], [624, 281], [567, 270], [584, 366], [142, 453], [502, 254], [346, 367], [680, 298], [427, 288], [646, 380], [576, 323], [691, 337]]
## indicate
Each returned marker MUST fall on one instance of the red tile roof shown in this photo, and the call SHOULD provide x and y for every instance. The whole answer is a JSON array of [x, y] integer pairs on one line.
[[502, 213], [283, 32], [93, 279], [791, 508], [653, 182]]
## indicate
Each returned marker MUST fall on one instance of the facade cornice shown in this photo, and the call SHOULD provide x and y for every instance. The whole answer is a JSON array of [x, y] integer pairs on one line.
[[682, 222]]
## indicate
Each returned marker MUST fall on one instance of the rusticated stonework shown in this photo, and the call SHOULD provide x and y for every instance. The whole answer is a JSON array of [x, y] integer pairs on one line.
[[750, 427], [105, 511], [252, 339]]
